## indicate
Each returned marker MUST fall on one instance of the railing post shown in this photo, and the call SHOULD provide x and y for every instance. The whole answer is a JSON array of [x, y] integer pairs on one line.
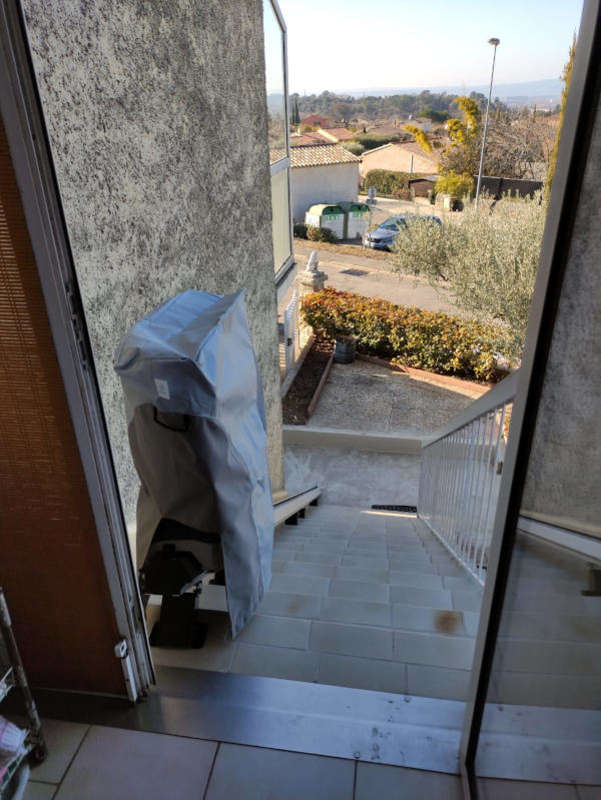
[[457, 491]]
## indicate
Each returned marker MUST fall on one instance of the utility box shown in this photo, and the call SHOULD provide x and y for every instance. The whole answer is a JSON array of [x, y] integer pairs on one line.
[[327, 215], [356, 217]]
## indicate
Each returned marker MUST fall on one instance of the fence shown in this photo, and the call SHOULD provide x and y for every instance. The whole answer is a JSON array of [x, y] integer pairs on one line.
[[461, 475]]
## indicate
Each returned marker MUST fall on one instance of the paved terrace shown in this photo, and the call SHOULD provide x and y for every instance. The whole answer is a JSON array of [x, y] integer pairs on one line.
[[372, 600]]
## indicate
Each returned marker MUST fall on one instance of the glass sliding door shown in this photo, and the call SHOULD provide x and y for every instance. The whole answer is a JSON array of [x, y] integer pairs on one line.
[[276, 87], [534, 705]]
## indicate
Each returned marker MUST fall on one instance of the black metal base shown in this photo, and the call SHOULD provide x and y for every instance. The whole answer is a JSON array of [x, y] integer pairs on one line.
[[179, 624]]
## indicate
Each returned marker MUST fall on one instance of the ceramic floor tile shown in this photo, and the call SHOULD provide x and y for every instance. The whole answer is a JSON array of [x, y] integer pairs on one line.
[[551, 627], [425, 681], [127, 765], [364, 562], [360, 612], [463, 583], [352, 640], [588, 792], [357, 590], [362, 673], [415, 579], [317, 558], [489, 789], [520, 688], [563, 658], [320, 570], [62, 739], [399, 783], [254, 773], [285, 604], [299, 584], [455, 652], [277, 632], [466, 601], [275, 662], [430, 598], [414, 618], [39, 791], [363, 575]]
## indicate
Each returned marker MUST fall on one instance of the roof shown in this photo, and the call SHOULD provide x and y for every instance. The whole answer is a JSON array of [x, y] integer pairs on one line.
[[316, 119], [411, 147], [317, 155], [341, 134], [309, 137]]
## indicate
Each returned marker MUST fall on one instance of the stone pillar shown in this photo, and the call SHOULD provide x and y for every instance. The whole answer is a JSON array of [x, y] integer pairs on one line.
[[311, 279]]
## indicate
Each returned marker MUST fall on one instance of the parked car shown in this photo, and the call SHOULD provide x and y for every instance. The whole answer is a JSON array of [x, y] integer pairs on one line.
[[384, 237]]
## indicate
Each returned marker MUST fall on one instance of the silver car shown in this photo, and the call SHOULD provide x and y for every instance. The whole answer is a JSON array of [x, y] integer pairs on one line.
[[384, 236]]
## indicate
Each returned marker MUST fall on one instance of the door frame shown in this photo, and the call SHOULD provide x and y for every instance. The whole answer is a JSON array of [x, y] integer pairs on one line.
[[579, 118], [22, 115]]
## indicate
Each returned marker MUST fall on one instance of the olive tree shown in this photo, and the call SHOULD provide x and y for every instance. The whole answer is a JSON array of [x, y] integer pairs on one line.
[[486, 260]]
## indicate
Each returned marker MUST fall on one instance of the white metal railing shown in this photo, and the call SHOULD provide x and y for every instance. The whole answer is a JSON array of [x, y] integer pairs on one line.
[[461, 475], [291, 332]]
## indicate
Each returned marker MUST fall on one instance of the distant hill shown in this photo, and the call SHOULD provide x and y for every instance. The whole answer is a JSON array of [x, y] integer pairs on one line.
[[549, 88]]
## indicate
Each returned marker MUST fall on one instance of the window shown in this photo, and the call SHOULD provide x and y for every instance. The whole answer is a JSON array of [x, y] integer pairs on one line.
[[276, 88]]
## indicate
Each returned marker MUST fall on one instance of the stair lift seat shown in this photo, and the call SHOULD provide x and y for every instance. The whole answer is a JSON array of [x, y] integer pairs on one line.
[[197, 432]]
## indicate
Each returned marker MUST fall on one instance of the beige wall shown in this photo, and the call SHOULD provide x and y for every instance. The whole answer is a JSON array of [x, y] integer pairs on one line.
[[398, 159], [326, 184]]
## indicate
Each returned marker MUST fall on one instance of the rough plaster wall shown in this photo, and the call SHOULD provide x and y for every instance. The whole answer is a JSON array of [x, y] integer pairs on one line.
[[327, 184], [563, 483], [157, 121]]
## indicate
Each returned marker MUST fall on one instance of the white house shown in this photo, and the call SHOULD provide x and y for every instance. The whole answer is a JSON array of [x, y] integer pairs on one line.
[[321, 173]]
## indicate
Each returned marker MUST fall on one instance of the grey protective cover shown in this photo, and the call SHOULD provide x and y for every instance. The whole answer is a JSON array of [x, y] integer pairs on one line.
[[192, 363]]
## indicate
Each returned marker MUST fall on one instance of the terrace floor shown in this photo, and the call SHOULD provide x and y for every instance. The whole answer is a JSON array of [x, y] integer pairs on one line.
[[358, 598], [372, 600]]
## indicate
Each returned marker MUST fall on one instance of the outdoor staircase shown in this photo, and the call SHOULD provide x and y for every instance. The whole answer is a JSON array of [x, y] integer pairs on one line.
[[365, 599], [372, 600]]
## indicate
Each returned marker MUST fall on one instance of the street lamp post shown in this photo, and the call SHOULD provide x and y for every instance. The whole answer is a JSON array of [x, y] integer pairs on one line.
[[495, 43]]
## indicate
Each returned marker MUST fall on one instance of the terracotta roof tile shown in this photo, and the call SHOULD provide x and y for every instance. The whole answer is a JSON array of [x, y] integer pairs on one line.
[[315, 155]]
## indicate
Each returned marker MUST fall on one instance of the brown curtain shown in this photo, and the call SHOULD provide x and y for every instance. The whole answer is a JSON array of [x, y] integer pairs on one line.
[[50, 562]]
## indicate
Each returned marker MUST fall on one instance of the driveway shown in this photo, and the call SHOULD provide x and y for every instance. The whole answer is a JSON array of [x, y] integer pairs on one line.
[[373, 277]]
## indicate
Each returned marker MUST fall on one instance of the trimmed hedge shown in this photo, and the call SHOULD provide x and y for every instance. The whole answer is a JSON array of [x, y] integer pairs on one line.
[[373, 140], [300, 230], [432, 341], [315, 234], [394, 184]]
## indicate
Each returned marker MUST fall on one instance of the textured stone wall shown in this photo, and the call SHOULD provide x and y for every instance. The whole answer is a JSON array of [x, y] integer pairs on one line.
[[564, 483], [157, 121]]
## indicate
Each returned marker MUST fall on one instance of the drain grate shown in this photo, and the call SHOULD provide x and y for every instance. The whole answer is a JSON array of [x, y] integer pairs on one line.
[[357, 272], [408, 509]]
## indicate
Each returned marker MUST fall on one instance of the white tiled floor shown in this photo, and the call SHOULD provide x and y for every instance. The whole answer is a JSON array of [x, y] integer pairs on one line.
[[114, 764], [373, 601], [356, 597]]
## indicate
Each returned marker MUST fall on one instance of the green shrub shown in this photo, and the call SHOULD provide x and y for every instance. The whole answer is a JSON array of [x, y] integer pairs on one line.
[[432, 341], [315, 234], [457, 186], [371, 140], [300, 230], [356, 148], [388, 182]]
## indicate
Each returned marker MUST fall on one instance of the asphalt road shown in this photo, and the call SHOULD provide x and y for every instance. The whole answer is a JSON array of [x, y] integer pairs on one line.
[[375, 278]]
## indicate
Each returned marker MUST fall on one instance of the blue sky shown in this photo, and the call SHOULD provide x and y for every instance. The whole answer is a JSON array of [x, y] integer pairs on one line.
[[355, 44]]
